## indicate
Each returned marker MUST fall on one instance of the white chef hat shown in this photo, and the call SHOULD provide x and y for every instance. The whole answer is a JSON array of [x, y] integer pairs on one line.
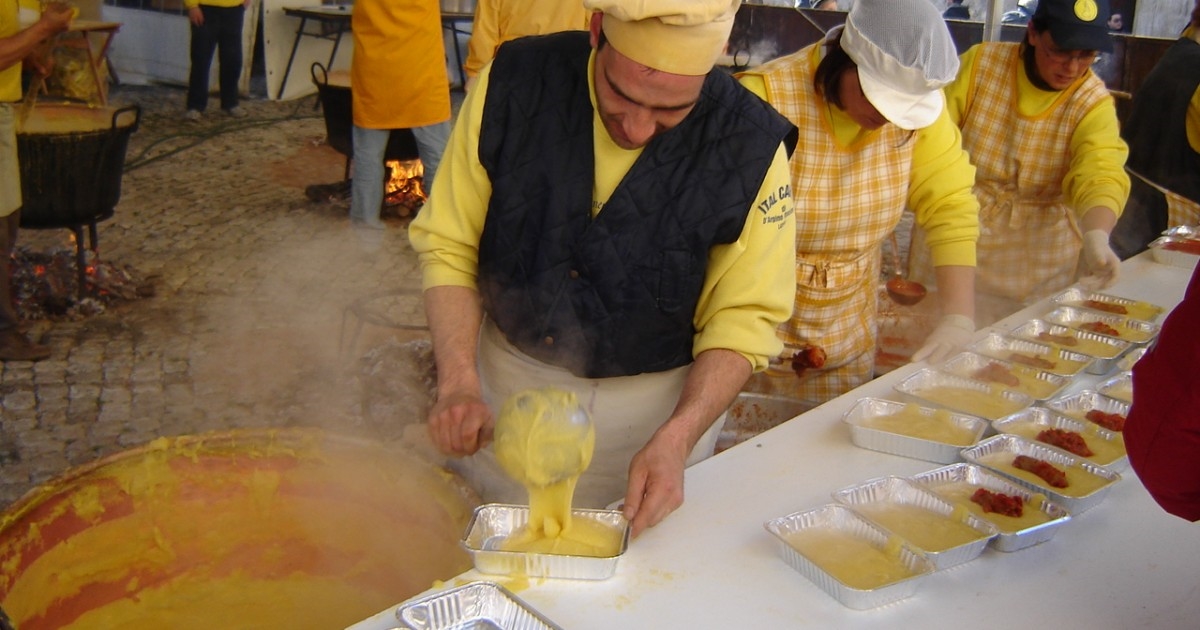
[[675, 36], [904, 55]]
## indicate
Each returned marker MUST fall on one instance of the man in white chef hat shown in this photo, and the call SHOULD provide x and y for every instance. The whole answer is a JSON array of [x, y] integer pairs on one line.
[[613, 217]]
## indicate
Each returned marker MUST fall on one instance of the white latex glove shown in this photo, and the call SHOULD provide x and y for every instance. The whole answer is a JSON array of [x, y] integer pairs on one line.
[[951, 334], [1101, 265]]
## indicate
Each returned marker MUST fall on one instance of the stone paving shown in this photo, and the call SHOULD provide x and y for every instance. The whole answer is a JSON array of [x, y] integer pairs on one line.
[[252, 282]]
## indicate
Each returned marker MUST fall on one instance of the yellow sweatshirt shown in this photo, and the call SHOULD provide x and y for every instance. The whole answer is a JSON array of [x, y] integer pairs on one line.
[[1096, 176], [749, 285], [499, 21], [191, 4]]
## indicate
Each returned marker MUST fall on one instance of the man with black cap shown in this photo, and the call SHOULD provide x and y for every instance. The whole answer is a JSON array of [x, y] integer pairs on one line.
[[613, 218], [1042, 132]]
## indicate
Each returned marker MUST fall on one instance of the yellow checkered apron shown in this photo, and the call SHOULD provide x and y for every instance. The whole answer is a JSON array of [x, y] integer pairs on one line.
[[848, 199], [1029, 241]]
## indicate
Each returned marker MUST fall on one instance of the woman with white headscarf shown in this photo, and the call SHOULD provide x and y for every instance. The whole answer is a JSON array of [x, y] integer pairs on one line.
[[874, 140]]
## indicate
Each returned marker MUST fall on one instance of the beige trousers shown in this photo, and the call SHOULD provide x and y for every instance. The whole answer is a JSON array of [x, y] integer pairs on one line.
[[626, 410]]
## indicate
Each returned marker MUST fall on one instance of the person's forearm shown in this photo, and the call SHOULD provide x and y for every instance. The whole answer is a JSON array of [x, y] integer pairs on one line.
[[956, 288], [455, 316], [16, 48], [713, 382], [1097, 218]]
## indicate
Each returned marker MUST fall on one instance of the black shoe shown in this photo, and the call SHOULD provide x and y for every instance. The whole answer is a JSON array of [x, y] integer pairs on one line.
[[15, 346]]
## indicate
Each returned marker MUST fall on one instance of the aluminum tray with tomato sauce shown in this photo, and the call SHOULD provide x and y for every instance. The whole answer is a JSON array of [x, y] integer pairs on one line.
[[1091, 484], [1106, 350]]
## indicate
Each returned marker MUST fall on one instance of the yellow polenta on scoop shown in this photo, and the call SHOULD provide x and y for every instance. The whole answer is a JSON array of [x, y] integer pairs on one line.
[[544, 440]]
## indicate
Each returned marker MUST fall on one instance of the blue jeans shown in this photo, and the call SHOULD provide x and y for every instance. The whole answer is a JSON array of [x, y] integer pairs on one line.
[[370, 147], [222, 29]]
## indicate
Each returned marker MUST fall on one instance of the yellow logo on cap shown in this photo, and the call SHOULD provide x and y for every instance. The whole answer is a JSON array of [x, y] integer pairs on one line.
[[1086, 10]]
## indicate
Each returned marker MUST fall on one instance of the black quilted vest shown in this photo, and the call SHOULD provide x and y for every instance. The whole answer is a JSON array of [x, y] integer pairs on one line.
[[1156, 128], [614, 296]]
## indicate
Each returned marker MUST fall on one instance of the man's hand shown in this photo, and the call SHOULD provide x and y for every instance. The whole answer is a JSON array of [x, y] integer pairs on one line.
[[460, 424], [1101, 264], [951, 334], [196, 16], [655, 482], [56, 16]]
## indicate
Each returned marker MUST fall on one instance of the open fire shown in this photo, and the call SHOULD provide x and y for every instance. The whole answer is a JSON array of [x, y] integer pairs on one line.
[[45, 285], [404, 190]]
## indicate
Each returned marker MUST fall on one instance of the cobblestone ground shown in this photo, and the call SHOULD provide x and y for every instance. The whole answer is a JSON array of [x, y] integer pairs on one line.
[[252, 283]]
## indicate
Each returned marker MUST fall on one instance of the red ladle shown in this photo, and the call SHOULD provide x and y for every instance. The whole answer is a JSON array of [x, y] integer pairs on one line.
[[905, 292]]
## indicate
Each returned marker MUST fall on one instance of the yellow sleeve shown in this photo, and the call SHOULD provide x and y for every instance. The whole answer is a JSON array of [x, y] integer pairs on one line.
[[485, 37], [940, 193], [750, 284], [1193, 121], [1097, 176], [446, 232], [958, 93]]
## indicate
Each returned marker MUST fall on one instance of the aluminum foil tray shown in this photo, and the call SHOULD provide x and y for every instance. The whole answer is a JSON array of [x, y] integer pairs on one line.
[[842, 519], [1108, 446], [1176, 258], [473, 605], [900, 491], [1035, 383], [1079, 298], [1136, 332], [918, 383], [1131, 358], [1077, 405], [863, 435], [979, 477], [1107, 349], [492, 523], [1066, 362], [1119, 387], [1011, 446]]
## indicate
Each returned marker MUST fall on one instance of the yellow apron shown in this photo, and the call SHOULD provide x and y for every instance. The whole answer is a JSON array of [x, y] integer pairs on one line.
[[848, 200], [398, 75], [1029, 241]]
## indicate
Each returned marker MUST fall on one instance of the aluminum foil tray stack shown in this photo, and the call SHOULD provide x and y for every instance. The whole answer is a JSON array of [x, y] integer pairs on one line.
[[1135, 332], [1119, 387], [1104, 302], [1077, 405], [842, 519], [1012, 445], [473, 605], [1108, 349], [863, 435], [492, 523], [1042, 385], [977, 476], [927, 378], [1176, 251], [1108, 446], [900, 491], [1066, 362]]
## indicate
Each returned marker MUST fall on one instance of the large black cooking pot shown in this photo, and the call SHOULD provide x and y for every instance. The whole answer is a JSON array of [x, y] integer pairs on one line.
[[72, 158], [336, 105]]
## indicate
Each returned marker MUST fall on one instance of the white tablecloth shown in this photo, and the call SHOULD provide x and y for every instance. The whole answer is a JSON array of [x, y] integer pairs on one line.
[[711, 564]]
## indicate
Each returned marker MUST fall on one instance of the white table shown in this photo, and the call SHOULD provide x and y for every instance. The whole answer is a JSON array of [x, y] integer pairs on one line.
[[1122, 564]]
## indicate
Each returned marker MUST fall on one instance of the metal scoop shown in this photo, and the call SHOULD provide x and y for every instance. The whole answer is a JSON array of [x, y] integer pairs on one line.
[[543, 437], [902, 291]]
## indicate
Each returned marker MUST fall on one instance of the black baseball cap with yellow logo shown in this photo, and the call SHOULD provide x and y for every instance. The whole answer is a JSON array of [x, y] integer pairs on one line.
[[1077, 24]]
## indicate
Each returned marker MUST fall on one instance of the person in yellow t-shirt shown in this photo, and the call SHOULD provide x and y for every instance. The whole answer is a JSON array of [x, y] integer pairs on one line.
[[874, 141], [216, 26], [1043, 134], [616, 222], [1163, 132], [17, 46], [499, 21]]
